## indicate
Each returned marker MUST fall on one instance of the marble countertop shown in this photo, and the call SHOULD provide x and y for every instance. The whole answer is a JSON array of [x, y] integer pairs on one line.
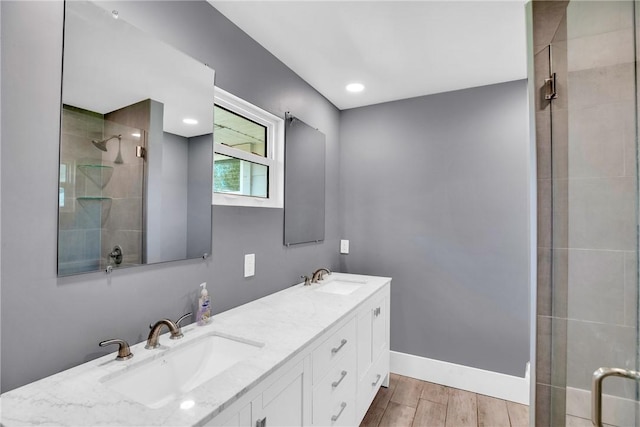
[[286, 322]]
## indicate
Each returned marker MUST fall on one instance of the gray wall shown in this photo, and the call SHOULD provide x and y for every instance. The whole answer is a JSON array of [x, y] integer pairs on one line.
[[175, 163], [435, 193], [51, 324], [199, 184]]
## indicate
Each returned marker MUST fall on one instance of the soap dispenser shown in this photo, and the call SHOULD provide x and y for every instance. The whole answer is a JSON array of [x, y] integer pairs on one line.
[[203, 314]]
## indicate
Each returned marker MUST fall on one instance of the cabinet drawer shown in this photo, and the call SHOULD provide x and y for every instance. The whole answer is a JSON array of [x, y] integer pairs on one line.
[[332, 349]]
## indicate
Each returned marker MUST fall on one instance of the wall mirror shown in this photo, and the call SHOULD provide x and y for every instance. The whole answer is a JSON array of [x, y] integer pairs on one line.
[[136, 147], [304, 183]]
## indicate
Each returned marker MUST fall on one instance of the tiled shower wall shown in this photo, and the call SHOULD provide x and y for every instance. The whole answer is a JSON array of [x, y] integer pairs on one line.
[[587, 303], [79, 226]]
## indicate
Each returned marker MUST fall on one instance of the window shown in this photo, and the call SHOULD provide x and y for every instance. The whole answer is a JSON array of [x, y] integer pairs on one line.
[[248, 167]]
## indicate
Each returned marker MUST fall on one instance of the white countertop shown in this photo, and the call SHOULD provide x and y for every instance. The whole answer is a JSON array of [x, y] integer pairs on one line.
[[286, 322]]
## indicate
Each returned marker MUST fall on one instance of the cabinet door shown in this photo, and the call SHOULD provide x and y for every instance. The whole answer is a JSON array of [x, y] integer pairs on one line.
[[379, 334], [282, 404]]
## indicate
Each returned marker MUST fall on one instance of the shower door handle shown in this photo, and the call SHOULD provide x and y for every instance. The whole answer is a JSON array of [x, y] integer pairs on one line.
[[596, 389]]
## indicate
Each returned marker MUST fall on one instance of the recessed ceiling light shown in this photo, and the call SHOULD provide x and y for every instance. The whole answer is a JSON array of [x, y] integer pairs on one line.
[[355, 87], [114, 13], [190, 121]]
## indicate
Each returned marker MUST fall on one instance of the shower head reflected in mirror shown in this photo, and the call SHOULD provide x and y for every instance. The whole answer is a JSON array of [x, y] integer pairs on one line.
[[102, 145]]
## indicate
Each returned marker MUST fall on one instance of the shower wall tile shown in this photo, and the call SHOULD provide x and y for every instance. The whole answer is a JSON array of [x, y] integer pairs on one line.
[[598, 17], [560, 283], [560, 214], [594, 345], [547, 17], [550, 406], [551, 349], [595, 51], [631, 289], [541, 65], [596, 285], [602, 213], [543, 144], [92, 244], [71, 245], [597, 140], [544, 296], [544, 213], [604, 85], [543, 350], [560, 143]]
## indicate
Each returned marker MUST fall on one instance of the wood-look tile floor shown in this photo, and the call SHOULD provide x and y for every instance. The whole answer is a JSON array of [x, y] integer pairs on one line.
[[414, 403]]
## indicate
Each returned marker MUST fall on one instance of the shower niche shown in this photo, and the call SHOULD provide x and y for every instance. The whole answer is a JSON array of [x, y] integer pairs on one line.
[[135, 181]]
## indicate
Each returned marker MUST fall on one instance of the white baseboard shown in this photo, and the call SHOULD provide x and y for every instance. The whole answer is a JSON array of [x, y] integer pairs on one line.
[[494, 384]]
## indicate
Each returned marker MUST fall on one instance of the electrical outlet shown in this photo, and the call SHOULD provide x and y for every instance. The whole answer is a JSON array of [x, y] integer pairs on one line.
[[249, 265], [344, 246]]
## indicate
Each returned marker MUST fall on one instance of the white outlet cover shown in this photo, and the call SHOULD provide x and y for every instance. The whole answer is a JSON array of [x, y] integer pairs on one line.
[[344, 246], [249, 265]]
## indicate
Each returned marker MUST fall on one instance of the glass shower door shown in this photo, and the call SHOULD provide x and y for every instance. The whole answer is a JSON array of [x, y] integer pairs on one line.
[[594, 203]]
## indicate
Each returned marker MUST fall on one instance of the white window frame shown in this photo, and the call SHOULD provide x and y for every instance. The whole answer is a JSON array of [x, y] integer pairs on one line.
[[274, 158]]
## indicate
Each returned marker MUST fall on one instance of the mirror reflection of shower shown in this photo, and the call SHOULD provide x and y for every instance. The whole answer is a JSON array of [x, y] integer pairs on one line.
[[102, 145]]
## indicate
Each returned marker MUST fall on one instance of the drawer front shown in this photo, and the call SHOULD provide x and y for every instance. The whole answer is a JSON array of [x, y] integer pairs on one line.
[[371, 382], [339, 412], [333, 349]]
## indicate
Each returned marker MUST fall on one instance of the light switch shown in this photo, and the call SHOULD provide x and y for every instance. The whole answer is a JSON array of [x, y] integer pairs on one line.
[[249, 265], [344, 246]]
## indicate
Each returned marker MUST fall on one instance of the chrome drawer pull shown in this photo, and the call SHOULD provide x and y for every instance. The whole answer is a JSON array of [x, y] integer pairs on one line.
[[376, 312], [337, 383], [337, 349], [373, 384], [335, 417], [262, 422]]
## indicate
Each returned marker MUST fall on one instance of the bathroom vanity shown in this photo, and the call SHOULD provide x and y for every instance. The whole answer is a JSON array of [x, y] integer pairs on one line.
[[307, 355]]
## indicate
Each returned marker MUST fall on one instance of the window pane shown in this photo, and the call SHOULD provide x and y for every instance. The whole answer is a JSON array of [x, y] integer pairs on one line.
[[239, 132], [236, 176]]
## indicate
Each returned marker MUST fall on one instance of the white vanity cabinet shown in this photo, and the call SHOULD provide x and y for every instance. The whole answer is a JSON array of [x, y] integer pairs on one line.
[[331, 382]]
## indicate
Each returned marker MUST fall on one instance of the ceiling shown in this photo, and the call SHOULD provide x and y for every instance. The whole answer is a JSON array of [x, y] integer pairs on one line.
[[397, 49]]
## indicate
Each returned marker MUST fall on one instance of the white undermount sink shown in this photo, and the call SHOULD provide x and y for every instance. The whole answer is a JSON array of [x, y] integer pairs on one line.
[[158, 381], [340, 286]]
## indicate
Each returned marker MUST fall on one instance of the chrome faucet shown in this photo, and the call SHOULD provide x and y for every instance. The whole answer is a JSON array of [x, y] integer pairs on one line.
[[174, 328], [318, 275]]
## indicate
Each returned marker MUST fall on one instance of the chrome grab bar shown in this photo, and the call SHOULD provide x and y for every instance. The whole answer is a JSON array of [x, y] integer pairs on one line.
[[596, 389]]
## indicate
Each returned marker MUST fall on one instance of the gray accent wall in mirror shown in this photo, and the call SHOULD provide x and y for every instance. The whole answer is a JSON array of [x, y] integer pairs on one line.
[[304, 183], [135, 176]]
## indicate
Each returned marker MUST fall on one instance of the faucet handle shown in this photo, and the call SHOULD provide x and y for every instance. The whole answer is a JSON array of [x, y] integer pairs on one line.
[[183, 317], [124, 352], [307, 280]]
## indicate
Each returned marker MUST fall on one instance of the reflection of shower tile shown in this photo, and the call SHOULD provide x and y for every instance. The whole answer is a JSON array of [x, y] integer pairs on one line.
[[70, 245], [126, 214], [92, 244], [129, 241]]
